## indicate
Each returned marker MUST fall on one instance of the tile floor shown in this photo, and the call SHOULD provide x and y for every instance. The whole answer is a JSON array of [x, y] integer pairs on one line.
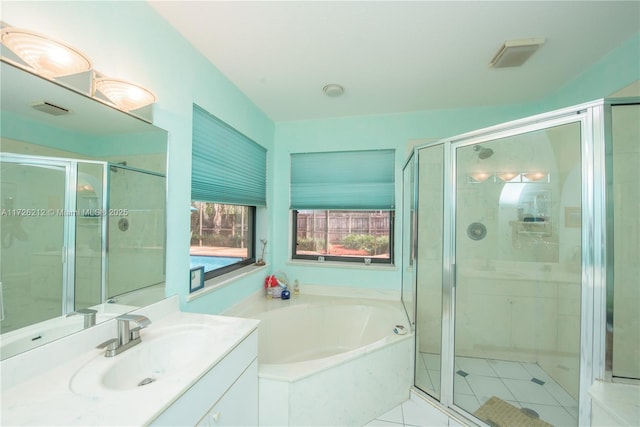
[[477, 380], [520, 384], [413, 413]]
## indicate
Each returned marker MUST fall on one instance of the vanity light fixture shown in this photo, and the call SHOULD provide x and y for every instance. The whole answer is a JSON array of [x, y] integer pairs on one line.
[[85, 188], [508, 176], [48, 57], [124, 95], [535, 177], [478, 177]]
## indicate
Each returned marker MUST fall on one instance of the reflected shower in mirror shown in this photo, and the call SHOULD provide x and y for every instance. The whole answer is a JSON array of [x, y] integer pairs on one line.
[[60, 199]]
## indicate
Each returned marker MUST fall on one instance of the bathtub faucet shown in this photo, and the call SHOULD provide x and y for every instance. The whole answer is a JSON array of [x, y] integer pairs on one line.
[[127, 337]]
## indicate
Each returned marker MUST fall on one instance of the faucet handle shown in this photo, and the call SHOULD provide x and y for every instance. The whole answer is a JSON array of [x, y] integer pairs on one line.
[[111, 344], [135, 332]]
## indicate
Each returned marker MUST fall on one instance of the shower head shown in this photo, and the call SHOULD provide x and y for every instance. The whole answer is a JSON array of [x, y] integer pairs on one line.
[[114, 167], [483, 153]]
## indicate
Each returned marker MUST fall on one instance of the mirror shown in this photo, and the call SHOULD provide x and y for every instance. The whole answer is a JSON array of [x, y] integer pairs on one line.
[[83, 211]]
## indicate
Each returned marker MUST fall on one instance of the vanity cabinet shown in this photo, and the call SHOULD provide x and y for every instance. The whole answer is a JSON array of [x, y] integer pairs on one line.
[[226, 395], [238, 406]]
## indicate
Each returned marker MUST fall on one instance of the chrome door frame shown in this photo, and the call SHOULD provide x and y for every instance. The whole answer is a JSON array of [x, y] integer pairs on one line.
[[593, 240]]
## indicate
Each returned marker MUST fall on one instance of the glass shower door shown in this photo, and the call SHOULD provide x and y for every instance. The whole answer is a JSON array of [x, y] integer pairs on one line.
[[429, 269], [136, 231], [624, 316], [518, 275], [32, 253]]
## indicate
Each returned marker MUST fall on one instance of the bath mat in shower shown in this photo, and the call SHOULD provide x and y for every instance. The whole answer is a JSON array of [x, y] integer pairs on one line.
[[498, 413]]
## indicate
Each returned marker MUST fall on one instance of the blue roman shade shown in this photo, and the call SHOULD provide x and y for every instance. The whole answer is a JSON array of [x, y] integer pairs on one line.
[[353, 180], [226, 166]]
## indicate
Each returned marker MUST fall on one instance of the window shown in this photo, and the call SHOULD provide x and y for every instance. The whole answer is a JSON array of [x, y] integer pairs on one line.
[[228, 182], [222, 237], [357, 236], [343, 205]]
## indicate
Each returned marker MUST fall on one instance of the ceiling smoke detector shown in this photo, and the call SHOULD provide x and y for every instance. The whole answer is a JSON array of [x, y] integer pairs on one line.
[[333, 90], [514, 53]]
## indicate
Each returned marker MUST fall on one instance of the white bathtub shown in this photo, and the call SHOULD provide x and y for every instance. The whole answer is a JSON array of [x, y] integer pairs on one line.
[[330, 361]]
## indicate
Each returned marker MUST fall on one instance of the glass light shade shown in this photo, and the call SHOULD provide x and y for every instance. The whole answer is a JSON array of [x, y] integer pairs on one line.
[[476, 177], [125, 95], [508, 176], [535, 176], [48, 57]]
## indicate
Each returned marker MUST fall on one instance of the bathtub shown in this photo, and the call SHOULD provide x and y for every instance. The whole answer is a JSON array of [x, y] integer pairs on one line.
[[330, 361]]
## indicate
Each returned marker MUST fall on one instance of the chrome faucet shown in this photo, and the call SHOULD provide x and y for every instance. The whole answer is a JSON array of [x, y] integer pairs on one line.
[[127, 336], [89, 315]]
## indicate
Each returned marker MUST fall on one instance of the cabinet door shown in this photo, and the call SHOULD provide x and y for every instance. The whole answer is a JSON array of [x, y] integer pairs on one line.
[[239, 405], [214, 386]]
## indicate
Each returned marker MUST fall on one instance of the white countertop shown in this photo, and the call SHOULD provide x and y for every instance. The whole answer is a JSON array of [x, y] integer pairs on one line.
[[45, 398]]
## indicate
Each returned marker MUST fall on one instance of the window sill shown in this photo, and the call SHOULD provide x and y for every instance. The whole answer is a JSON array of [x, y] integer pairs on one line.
[[338, 264], [219, 282]]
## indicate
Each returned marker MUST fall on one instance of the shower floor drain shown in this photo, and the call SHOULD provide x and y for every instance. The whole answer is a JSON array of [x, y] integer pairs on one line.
[[530, 412]]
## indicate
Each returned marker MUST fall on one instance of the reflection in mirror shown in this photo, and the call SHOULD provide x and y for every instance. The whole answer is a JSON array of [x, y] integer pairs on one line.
[[136, 232], [60, 198]]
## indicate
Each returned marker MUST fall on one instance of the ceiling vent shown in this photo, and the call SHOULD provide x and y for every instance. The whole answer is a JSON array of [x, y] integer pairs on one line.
[[49, 108], [514, 53]]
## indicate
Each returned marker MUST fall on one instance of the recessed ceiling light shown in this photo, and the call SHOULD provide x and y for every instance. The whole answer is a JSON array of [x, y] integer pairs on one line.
[[333, 90], [514, 53]]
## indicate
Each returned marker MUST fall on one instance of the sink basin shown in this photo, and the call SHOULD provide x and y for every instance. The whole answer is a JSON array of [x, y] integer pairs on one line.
[[162, 355]]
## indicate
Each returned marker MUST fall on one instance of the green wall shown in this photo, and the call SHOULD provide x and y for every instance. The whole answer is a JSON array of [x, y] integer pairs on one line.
[[129, 40], [617, 70]]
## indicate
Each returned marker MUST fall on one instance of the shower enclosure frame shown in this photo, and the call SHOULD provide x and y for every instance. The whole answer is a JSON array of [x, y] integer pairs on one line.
[[105, 230], [595, 231], [71, 214]]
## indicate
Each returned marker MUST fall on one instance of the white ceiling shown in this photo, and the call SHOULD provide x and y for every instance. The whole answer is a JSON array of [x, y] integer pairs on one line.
[[396, 56]]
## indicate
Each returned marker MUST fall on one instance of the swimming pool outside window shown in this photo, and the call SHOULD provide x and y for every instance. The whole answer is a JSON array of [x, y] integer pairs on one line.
[[228, 183], [222, 237]]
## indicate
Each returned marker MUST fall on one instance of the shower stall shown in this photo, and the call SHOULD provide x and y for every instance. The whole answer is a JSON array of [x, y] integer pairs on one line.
[[76, 233], [517, 263]]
